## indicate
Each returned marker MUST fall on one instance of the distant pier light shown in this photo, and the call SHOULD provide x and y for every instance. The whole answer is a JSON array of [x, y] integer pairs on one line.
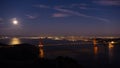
[[111, 51], [111, 44]]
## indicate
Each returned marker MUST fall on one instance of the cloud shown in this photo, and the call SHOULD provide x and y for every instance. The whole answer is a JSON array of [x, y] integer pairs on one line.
[[68, 11], [71, 6], [60, 15], [81, 14], [78, 5], [42, 6], [108, 2], [61, 6], [102, 19], [83, 6], [31, 16], [1, 20]]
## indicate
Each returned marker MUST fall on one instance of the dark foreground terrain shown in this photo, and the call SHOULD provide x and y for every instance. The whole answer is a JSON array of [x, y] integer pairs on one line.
[[27, 56]]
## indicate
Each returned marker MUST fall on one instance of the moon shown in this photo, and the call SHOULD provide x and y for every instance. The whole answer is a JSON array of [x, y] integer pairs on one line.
[[15, 22]]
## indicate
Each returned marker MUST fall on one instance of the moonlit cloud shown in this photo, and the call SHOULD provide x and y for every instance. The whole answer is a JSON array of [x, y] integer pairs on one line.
[[69, 11], [108, 2], [83, 6], [13, 19], [78, 5], [60, 15], [42, 6], [80, 14], [102, 19], [71, 6], [31, 16], [1, 20]]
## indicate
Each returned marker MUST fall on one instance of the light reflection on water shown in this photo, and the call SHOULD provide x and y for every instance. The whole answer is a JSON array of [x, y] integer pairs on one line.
[[95, 50], [95, 47], [82, 52], [105, 52], [15, 41], [41, 54], [111, 52]]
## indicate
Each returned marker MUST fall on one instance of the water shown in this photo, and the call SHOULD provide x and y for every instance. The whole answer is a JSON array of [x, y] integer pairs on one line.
[[85, 53], [14, 41]]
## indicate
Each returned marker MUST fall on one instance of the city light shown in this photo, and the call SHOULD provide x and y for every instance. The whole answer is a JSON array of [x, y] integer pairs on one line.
[[112, 42], [15, 41]]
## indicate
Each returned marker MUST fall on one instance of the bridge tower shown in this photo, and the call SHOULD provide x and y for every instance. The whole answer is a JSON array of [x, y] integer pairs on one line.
[[40, 43], [94, 42], [41, 50]]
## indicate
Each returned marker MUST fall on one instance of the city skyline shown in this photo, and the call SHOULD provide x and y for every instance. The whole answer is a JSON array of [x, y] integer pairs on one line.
[[60, 17]]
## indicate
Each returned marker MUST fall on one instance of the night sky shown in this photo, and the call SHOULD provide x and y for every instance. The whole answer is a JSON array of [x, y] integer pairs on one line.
[[60, 17]]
